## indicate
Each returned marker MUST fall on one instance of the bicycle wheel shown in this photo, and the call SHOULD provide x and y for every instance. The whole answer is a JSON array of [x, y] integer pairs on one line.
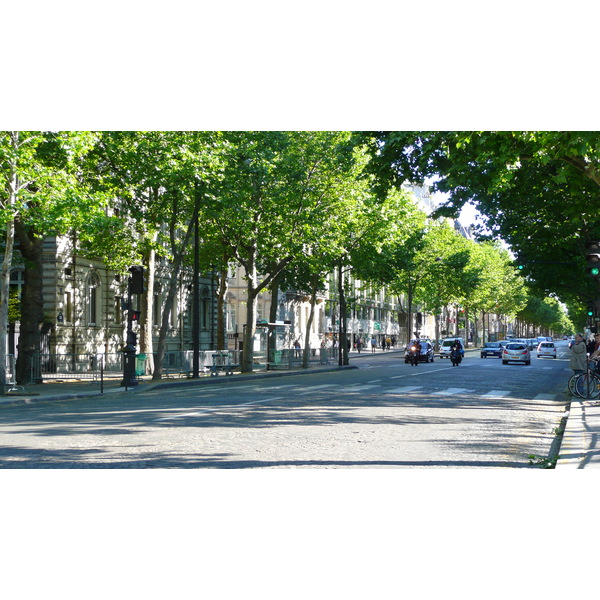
[[588, 386], [572, 381]]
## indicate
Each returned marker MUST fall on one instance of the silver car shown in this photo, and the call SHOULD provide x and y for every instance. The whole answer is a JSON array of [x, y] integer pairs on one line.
[[546, 349], [517, 352]]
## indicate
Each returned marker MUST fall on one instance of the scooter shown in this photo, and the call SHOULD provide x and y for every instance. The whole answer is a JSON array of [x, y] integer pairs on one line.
[[413, 358]]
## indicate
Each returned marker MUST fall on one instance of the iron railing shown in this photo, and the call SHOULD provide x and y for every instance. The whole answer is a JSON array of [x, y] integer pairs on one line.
[[92, 366]]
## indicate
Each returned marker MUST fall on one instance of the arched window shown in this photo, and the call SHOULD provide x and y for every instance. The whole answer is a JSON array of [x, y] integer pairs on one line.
[[204, 308], [93, 298], [157, 305], [16, 285]]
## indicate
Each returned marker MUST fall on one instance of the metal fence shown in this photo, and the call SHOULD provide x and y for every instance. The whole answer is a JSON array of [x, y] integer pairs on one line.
[[75, 366], [175, 364]]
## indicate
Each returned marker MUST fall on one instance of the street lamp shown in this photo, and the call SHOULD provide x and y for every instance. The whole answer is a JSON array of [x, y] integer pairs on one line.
[[135, 285]]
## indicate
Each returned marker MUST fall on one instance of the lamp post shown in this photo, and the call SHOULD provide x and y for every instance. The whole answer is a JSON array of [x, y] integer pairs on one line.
[[135, 285]]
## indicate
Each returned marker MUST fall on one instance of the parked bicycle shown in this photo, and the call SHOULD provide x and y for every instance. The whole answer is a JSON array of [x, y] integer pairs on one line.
[[587, 384]]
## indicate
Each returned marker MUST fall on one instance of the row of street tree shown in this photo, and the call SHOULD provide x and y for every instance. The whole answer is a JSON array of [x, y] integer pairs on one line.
[[290, 207]]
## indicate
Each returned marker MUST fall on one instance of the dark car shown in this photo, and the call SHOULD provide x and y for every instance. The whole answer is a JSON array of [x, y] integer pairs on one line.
[[426, 351], [491, 349]]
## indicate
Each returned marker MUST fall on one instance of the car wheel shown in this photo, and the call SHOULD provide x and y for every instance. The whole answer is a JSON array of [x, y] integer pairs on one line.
[[528, 362], [504, 362]]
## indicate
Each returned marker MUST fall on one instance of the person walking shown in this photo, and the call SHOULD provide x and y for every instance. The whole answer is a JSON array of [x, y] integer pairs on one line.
[[578, 355], [359, 344], [373, 344]]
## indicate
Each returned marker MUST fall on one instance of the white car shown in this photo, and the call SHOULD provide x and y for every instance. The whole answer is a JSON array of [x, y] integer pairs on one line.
[[546, 349], [516, 351]]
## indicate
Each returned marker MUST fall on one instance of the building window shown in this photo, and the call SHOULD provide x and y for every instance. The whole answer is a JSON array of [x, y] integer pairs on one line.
[[204, 308], [156, 312], [68, 307], [231, 316], [93, 298]]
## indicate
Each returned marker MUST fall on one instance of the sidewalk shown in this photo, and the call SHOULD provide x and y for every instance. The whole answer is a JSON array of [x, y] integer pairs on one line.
[[580, 448]]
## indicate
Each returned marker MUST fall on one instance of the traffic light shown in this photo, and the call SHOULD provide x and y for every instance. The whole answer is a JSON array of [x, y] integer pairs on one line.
[[591, 308], [137, 279], [135, 315], [592, 257]]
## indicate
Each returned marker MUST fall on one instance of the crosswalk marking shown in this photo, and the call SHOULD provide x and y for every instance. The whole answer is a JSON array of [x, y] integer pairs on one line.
[[496, 394], [360, 388], [313, 388], [404, 389], [450, 391], [545, 397]]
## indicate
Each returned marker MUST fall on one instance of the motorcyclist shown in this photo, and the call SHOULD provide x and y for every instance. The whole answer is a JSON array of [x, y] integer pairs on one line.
[[456, 354], [415, 352]]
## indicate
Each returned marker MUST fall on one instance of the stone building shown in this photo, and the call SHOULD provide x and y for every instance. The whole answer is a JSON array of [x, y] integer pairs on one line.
[[85, 308]]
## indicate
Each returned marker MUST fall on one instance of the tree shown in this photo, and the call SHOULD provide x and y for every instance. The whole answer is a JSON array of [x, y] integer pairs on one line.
[[273, 193], [537, 190], [162, 181], [41, 196]]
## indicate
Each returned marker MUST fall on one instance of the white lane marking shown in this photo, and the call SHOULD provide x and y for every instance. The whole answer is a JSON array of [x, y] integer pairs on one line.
[[450, 391], [218, 408], [360, 388], [496, 394]]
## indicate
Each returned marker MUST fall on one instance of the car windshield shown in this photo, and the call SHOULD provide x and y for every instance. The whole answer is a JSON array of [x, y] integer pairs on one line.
[[547, 345], [492, 345], [516, 347]]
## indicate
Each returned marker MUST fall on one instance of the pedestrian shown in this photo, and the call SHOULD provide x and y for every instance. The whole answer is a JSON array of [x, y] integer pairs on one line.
[[596, 353], [359, 344], [578, 355], [591, 345], [297, 348], [373, 344]]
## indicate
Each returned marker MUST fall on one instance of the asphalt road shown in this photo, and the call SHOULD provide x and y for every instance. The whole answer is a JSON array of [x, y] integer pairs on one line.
[[385, 414]]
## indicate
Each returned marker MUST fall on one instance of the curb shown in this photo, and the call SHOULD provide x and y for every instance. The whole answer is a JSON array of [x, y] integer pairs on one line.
[[572, 451]]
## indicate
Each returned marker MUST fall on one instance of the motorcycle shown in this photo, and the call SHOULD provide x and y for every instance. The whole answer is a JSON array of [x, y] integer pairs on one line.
[[413, 357]]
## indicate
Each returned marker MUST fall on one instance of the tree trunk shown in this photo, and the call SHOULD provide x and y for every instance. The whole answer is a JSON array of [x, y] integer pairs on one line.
[[409, 318], [221, 295], [4, 298], [32, 301], [178, 255], [344, 359], [272, 336], [12, 186], [313, 302], [251, 315], [147, 316]]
